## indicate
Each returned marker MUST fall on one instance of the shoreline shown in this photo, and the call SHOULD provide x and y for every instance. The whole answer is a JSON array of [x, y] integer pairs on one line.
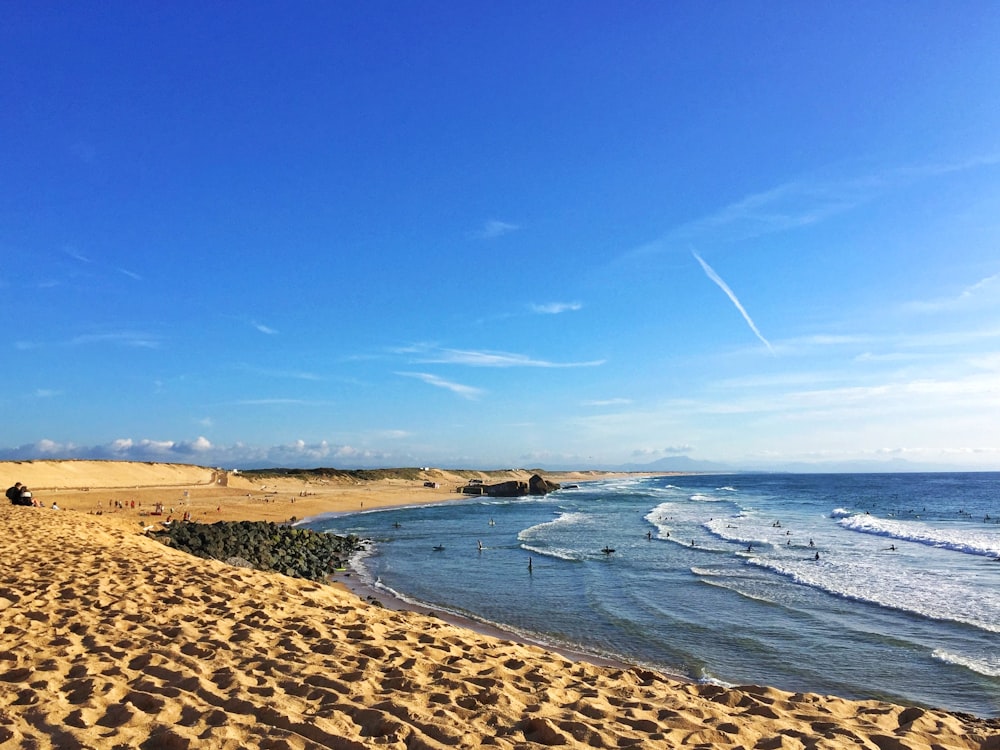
[[381, 598], [111, 639], [352, 581]]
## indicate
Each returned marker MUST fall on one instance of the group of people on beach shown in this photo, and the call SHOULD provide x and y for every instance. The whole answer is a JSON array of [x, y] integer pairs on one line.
[[19, 494]]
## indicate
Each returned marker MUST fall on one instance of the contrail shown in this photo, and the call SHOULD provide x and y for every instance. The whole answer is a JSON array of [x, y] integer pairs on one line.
[[710, 272]]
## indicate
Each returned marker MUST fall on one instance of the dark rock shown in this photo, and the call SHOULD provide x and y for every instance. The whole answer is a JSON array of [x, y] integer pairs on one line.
[[513, 488], [538, 485], [301, 553]]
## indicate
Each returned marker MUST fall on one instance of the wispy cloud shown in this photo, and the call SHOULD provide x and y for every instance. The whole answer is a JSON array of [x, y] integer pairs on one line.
[[485, 358], [76, 254], [985, 292], [280, 402], [670, 450], [263, 328], [274, 373], [494, 228], [800, 203], [122, 338], [710, 272], [608, 402], [555, 308], [465, 391], [130, 274]]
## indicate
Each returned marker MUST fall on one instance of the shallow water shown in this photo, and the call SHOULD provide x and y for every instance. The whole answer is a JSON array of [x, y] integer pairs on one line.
[[859, 585]]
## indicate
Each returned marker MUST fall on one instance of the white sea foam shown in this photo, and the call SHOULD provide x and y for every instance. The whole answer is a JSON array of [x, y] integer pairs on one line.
[[542, 538], [564, 519], [973, 542], [699, 498], [727, 489], [988, 665], [559, 554], [841, 513], [936, 594], [743, 531]]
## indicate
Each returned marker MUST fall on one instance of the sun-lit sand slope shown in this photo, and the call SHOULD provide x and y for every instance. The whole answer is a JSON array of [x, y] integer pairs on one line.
[[110, 640]]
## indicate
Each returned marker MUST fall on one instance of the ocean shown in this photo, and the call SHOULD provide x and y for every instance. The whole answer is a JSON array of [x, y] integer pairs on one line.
[[879, 586]]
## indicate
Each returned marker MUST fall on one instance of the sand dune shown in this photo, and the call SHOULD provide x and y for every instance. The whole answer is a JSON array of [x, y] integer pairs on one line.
[[110, 640]]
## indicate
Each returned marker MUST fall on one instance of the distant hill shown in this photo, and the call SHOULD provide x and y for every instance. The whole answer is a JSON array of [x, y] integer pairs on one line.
[[680, 463], [889, 466]]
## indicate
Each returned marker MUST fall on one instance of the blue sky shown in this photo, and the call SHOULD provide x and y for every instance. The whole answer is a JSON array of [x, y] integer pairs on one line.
[[501, 234]]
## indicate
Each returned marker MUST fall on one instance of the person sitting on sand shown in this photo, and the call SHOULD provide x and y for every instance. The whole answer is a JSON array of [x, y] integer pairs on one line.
[[26, 497], [14, 493]]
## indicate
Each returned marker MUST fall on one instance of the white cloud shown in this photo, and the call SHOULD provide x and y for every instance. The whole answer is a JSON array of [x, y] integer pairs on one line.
[[556, 308], [671, 450], [608, 402], [76, 254], [799, 203], [205, 453], [277, 402], [272, 373], [494, 228], [983, 293], [201, 444], [465, 391], [263, 328], [130, 274], [485, 358], [123, 338]]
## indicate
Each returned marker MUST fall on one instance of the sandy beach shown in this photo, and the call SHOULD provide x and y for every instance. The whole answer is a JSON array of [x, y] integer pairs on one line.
[[113, 640]]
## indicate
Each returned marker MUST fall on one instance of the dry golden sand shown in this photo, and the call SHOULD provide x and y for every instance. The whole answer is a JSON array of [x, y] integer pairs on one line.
[[110, 640]]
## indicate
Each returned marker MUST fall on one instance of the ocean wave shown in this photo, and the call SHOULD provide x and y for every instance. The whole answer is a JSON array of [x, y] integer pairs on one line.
[[989, 665], [968, 541], [747, 533], [841, 513], [727, 489], [931, 594], [700, 498], [564, 519], [558, 554]]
